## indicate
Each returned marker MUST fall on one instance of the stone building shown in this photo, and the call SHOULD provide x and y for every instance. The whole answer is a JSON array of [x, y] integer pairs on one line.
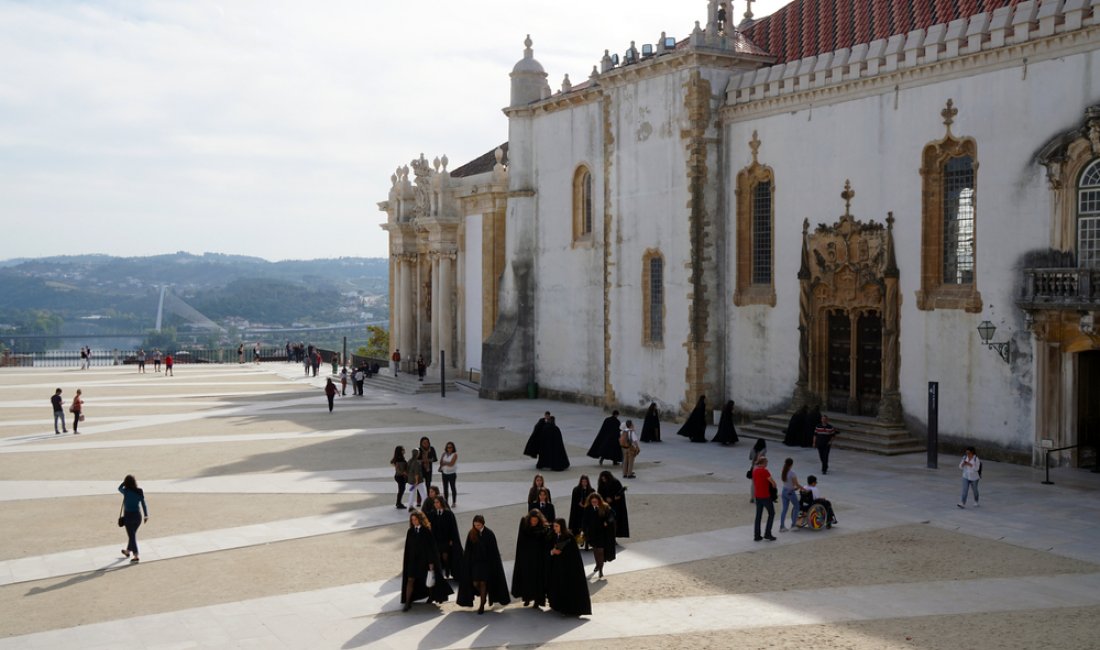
[[821, 207]]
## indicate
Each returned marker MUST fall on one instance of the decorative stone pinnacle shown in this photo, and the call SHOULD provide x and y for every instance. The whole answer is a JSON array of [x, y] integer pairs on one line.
[[948, 114], [889, 220], [754, 144], [848, 194], [748, 9], [566, 85], [805, 226], [527, 43]]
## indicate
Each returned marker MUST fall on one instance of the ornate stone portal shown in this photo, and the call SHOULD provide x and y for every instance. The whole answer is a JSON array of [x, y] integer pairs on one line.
[[848, 317]]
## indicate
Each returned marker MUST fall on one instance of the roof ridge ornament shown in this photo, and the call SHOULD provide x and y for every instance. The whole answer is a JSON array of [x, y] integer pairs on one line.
[[848, 194]]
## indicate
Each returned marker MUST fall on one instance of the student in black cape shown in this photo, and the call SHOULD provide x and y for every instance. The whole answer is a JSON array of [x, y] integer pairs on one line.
[[727, 433], [448, 542], [599, 531], [606, 445], [421, 558], [532, 557], [544, 506], [552, 454], [566, 584], [793, 433], [651, 426], [614, 494], [577, 504], [534, 441], [537, 483], [695, 428], [482, 570]]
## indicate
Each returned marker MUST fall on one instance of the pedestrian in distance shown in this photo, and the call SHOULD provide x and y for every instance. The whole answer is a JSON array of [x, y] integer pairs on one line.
[[156, 360], [168, 363], [567, 584], [614, 494], [543, 505], [141, 361], [534, 441], [58, 404], [532, 557], [763, 488], [421, 367], [695, 427], [482, 570], [577, 504], [823, 440], [758, 451], [537, 483], [400, 473], [330, 392], [552, 454], [421, 574], [427, 457], [606, 445], [727, 433], [971, 467], [628, 440], [344, 382], [240, 353], [448, 470], [256, 353], [77, 409], [790, 496], [445, 531], [133, 503], [651, 426], [395, 358], [599, 531], [415, 477], [335, 362], [83, 358]]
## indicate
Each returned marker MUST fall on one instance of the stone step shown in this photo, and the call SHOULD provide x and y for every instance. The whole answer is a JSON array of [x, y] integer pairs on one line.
[[405, 384], [855, 433]]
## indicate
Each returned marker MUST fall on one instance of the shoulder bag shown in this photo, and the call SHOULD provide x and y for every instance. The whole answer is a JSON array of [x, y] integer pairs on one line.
[[121, 519]]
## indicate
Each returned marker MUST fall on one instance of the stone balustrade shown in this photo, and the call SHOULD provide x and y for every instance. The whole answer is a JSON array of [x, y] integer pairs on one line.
[[1065, 288]]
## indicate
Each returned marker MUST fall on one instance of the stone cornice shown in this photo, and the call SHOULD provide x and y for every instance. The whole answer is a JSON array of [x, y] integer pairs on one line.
[[965, 65]]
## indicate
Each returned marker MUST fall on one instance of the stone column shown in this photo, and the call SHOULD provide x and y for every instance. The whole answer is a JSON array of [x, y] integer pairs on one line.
[[432, 356], [802, 395], [408, 296], [445, 328], [395, 300]]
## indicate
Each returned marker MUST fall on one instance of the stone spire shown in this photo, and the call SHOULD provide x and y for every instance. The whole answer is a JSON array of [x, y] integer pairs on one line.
[[528, 78]]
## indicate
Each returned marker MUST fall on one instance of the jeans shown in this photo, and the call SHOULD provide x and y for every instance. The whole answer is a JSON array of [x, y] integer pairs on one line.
[[967, 485], [790, 499], [449, 487], [132, 521], [59, 416], [762, 504], [400, 487], [76, 420]]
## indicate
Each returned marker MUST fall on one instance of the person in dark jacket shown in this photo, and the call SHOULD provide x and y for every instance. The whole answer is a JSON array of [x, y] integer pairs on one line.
[[532, 557], [552, 453], [566, 585], [482, 569], [420, 559], [538, 483], [651, 426], [614, 494], [695, 428], [606, 445], [727, 433], [599, 531], [448, 542], [577, 504], [544, 506], [330, 392]]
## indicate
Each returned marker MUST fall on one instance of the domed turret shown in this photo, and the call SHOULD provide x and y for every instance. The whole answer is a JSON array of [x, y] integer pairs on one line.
[[528, 78]]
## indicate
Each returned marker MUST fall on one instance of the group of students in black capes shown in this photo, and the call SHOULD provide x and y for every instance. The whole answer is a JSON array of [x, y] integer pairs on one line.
[[695, 427], [548, 568]]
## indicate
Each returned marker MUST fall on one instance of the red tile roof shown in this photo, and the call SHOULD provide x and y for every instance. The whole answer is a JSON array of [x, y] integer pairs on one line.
[[807, 27]]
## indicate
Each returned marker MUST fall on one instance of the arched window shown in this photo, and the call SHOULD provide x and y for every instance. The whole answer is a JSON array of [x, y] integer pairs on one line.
[[958, 221], [755, 232], [653, 298], [1088, 216], [582, 204]]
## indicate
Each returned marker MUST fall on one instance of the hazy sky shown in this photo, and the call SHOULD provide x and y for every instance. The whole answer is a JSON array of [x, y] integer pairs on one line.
[[266, 128]]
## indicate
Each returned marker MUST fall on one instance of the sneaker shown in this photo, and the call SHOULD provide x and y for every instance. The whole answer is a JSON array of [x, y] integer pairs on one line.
[[961, 506], [976, 505], [126, 552], [782, 529]]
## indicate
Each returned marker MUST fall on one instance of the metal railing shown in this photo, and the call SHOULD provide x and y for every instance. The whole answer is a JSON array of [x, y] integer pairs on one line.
[[1096, 460], [118, 357]]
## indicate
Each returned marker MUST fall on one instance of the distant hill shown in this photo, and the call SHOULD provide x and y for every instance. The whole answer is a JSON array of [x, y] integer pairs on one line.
[[126, 289]]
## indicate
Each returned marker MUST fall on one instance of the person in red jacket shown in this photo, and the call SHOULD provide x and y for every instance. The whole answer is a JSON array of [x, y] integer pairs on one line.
[[168, 361]]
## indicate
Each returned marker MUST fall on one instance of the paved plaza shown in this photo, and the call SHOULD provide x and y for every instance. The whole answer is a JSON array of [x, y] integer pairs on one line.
[[272, 525]]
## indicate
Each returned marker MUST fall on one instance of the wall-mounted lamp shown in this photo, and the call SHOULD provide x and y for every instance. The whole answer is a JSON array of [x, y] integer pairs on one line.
[[986, 331]]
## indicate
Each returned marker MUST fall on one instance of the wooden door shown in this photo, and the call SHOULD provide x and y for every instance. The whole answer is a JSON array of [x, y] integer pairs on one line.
[[869, 363], [840, 361]]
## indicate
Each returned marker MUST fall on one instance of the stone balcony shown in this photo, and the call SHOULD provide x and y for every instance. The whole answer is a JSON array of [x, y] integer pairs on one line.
[[1061, 289]]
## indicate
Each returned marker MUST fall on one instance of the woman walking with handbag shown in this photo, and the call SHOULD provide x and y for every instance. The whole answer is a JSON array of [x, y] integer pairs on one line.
[[133, 503]]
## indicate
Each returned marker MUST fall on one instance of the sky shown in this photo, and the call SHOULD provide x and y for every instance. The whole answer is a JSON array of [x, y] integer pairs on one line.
[[265, 128]]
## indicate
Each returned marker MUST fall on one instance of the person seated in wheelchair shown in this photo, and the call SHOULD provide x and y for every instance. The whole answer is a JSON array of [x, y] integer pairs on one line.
[[810, 496]]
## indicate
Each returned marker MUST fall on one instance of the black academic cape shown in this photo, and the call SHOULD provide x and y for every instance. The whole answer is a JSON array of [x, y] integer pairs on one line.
[[551, 452], [793, 437], [547, 509], [447, 539], [481, 562], [420, 552], [614, 493], [567, 584], [532, 560], [727, 433], [606, 444], [576, 508], [599, 530], [696, 426], [534, 442], [651, 428]]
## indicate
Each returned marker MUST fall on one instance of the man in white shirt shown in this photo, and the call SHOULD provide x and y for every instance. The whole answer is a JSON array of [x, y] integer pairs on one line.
[[971, 467], [629, 440]]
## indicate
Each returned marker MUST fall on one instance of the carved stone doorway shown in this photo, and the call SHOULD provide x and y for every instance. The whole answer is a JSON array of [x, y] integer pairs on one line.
[[848, 318]]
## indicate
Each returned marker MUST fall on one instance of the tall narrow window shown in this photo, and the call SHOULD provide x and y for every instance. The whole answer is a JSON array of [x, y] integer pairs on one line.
[[653, 298], [762, 233], [582, 204], [949, 222], [1088, 217], [755, 232]]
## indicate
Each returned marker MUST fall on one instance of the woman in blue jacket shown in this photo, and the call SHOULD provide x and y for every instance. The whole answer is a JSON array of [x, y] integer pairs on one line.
[[133, 503]]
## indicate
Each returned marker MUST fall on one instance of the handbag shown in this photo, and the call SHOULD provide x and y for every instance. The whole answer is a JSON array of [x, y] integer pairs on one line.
[[748, 474], [121, 519], [429, 580], [81, 417]]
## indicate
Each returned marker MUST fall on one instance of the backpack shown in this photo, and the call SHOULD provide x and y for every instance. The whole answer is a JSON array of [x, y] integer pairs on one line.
[[624, 439]]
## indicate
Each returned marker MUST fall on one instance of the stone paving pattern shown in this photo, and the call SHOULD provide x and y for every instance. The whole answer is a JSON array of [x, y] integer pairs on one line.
[[272, 526]]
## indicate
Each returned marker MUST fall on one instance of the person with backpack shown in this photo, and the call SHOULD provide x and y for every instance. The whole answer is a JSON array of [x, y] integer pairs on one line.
[[971, 467]]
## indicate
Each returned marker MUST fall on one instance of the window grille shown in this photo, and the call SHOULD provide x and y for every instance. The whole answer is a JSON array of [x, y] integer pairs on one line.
[[1088, 217], [762, 233], [656, 299], [958, 221]]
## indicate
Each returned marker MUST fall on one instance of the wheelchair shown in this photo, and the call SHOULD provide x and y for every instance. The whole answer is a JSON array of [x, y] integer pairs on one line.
[[812, 515]]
